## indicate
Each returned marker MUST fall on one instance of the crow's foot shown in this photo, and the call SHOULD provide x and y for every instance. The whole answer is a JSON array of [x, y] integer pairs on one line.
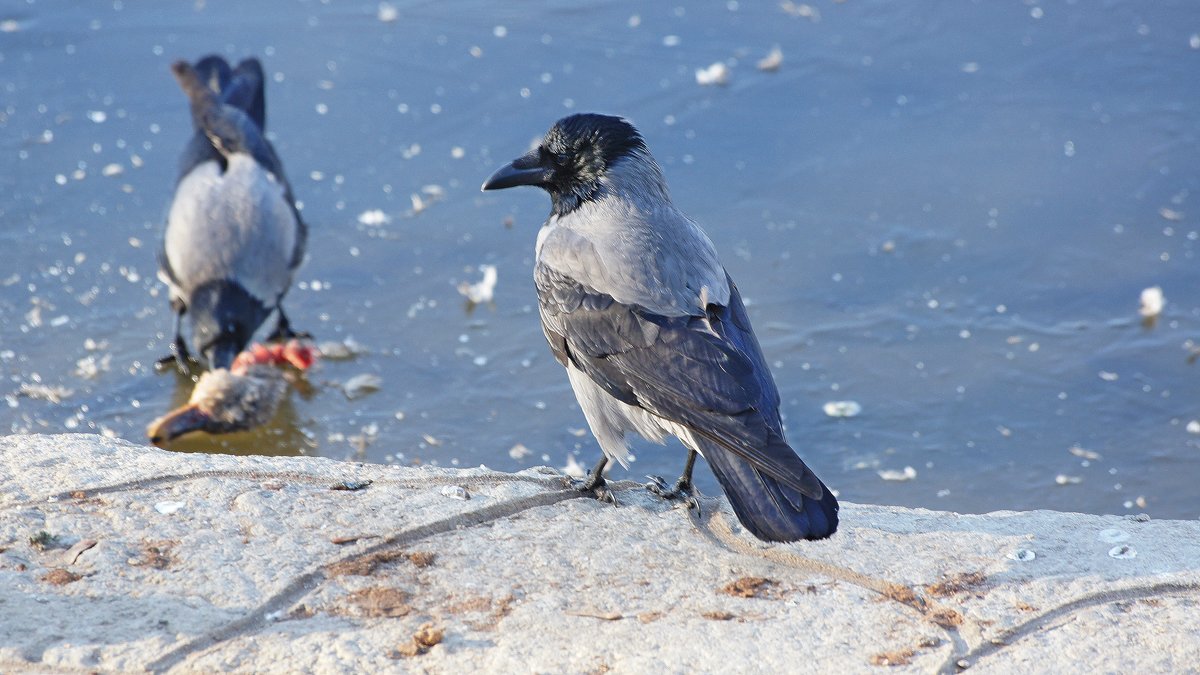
[[597, 488], [179, 356], [682, 491]]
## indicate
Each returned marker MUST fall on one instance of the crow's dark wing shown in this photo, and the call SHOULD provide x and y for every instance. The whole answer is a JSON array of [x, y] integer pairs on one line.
[[705, 372]]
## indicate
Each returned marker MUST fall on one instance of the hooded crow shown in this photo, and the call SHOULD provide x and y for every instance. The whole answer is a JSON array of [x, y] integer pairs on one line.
[[652, 331], [234, 237]]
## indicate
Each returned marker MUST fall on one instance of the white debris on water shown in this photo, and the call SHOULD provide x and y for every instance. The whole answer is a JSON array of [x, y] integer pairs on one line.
[[340, 351], [1140, 502], [771, 62], [387, 12], [1193, 427], [573, 468], [1063, 479], [718, 73], [1170, 214], [483, 290], [364, 438], [842, 408], [44, 392], [112, 169], [426, 198], [1152, 302], [519, 451], [1085, 454], [89, 367], [1109, 377], [908, 473], [361, 385], [374, 217], [800, 10]]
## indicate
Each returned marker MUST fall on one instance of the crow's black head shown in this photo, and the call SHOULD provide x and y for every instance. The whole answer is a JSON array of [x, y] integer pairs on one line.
[[572, 159], [224, 318]]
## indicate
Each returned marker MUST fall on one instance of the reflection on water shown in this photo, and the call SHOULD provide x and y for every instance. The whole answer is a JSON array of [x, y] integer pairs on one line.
[[943, 213]]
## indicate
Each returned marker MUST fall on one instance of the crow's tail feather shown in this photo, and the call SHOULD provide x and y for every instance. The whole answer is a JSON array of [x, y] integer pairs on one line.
[[769, 509]]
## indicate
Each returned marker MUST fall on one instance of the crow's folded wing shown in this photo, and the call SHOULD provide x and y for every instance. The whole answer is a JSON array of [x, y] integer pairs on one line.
[[705, 372]]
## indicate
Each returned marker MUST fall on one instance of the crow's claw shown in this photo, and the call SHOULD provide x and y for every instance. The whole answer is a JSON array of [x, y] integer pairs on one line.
[[598, 488], [682, 489]]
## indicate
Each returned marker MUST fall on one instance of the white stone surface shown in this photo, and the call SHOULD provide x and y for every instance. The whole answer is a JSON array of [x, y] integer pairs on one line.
[[241, 573]]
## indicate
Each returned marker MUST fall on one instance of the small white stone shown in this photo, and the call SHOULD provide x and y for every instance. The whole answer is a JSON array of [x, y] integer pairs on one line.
[[1022, 555], [1122, 552], [456, 492], [167, 508]]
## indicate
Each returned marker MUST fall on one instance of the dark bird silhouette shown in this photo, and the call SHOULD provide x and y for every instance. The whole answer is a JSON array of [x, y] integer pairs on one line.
[[652, 331]]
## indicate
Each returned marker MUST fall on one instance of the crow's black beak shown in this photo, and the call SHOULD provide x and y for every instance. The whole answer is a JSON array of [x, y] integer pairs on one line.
[[221, 353], [524, 170]]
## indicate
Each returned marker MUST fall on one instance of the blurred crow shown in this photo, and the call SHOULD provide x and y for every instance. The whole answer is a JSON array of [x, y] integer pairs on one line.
[[234, 237]]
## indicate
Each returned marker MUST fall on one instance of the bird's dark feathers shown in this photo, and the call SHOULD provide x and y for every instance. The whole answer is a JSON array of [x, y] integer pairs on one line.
[[242, 88], [580, 149], [223, 311], [705, 372]]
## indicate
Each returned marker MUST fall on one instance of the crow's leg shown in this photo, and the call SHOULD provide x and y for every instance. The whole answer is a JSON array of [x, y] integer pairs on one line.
[[283, 329], [682, 488], [179, 351], [596, 484]]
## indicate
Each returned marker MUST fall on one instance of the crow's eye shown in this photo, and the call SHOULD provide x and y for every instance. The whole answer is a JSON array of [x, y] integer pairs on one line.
[[558, 159]]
